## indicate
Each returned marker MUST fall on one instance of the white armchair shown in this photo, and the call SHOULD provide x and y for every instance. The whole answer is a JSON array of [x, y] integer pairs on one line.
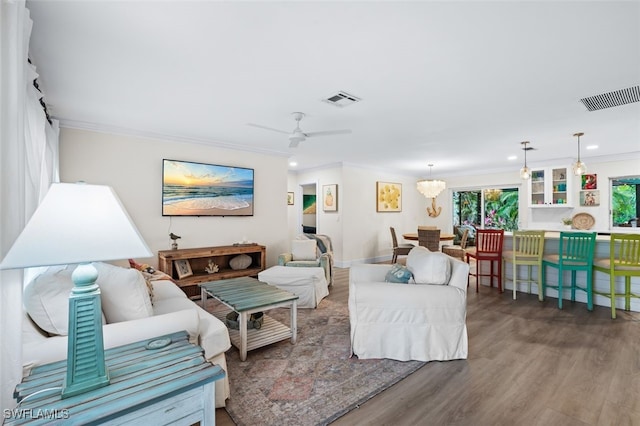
[[309, 250], [422, 322]]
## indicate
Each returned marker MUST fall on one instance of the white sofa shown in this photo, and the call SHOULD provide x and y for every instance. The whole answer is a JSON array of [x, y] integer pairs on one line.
[[171, 311], [411, 321]]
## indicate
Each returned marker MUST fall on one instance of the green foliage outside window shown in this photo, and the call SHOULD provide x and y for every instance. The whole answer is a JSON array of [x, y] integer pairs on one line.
[[623, 200], [500, 208]]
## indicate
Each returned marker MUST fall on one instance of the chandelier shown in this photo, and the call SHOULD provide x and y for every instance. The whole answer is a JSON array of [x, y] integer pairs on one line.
[[430, 188], [579, 168]]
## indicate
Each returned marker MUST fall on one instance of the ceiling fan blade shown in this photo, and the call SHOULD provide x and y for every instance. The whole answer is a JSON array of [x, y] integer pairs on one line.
[[327, 133], [268, 128]]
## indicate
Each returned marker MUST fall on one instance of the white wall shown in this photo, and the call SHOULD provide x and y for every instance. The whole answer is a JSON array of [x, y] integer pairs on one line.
[[133, 167], [359, 233]]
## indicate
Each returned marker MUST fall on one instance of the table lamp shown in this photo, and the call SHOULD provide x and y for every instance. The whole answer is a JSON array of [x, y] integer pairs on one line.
[[79, 223]]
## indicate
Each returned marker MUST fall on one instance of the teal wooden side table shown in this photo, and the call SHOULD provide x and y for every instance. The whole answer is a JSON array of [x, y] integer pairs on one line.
[[165, 380]]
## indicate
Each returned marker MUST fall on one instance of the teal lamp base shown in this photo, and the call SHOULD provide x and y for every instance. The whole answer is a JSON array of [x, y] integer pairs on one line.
[[86, 368]]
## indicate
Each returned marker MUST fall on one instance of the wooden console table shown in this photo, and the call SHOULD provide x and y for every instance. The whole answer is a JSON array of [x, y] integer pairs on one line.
[[198, 259], [170, 384]]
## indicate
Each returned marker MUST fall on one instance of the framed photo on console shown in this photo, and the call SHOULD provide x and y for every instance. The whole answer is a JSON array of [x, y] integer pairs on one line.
[[183, 268]]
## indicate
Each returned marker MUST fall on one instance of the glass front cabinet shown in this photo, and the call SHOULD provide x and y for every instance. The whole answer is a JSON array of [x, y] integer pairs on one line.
[[550, 187]]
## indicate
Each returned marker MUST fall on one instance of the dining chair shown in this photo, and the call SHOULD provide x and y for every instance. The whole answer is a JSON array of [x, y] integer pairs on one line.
[[458, 251], [398, 249], [623, 261], [429, 238], [488, 247], [527, 250], [575, 253]]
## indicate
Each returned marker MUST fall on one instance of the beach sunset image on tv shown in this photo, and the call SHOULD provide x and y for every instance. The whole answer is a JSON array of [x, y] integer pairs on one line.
[[197, 189]]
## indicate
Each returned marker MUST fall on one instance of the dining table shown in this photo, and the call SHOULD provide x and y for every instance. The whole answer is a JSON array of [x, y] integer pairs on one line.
[[413, 236]]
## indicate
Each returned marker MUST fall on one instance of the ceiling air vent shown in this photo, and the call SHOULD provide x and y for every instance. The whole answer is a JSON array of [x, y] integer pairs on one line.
[[612, 99], [341, 99]]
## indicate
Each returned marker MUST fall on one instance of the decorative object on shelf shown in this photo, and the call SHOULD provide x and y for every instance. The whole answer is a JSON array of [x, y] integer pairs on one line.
[[590, 181], [290, 198], [525, 171], [183, 268], [567, 222], [241, 261], [590, 198], [583, 221], [211, 268], [80, 215], [430, 188], [579, 168], [174, 238], [388, 197], [330, 198]]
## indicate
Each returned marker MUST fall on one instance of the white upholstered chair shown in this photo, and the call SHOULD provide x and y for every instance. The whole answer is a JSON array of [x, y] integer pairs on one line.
[[404, 322]]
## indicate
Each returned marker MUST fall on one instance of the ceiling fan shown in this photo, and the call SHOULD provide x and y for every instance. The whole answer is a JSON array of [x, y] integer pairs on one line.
[[297, 135]]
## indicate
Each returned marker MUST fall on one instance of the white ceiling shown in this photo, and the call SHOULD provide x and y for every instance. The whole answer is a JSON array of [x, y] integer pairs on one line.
[[456, 84]]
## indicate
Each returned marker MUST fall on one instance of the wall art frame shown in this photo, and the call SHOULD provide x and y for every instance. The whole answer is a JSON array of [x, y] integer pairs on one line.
[[330, 198], [590, 198], [388, 197], [290, 198]]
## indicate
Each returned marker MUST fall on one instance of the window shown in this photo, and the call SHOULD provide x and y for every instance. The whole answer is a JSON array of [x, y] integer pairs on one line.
[[625, 201], [492, 208]]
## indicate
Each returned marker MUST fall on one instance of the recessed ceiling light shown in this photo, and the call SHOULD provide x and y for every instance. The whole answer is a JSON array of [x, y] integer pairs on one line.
[[592, 147], [512, 157], [293, 163]]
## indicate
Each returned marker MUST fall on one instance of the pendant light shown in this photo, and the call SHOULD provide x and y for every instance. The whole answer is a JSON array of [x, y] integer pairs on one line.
[[525, 172], [579, 168]]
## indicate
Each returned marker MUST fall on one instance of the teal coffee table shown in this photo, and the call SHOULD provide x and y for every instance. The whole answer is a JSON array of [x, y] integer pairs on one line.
[[246, 296]]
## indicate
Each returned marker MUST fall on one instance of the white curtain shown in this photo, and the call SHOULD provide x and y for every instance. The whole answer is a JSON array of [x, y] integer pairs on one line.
[[28, 165]]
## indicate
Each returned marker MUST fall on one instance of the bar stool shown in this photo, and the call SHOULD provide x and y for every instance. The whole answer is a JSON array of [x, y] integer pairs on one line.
[[623, 261], [528, 247], [575, 253], [488, 248]]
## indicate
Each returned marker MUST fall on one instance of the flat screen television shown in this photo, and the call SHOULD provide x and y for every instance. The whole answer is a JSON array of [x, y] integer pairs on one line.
[[199, 189]]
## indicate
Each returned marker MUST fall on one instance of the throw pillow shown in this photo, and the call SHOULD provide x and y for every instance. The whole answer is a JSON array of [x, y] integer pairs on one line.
[[429, 267], [46, 299], [398, 274], [124, 293], [303, 249]]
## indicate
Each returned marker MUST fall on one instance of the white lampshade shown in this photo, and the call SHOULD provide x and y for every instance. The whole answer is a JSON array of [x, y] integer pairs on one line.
[[76, 222], [430, 188]]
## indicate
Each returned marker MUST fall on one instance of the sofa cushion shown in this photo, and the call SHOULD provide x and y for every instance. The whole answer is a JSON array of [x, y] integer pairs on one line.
[[124, 293], [303, 249], [398, 273], [46, 299], [429, 267]]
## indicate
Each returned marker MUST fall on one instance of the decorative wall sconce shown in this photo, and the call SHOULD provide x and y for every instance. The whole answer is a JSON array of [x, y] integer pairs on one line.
[[430, 188]]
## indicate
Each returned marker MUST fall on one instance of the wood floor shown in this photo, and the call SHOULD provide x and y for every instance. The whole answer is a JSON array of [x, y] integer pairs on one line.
[[529, 364]]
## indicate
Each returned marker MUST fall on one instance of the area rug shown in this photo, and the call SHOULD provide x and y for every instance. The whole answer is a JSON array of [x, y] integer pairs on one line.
[[312, 382]]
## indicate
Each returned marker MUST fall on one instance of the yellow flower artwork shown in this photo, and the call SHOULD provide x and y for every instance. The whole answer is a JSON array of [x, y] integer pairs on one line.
[[388, 197]]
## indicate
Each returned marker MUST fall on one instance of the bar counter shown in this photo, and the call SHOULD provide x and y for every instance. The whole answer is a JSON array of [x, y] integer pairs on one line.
[[600, 280]]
